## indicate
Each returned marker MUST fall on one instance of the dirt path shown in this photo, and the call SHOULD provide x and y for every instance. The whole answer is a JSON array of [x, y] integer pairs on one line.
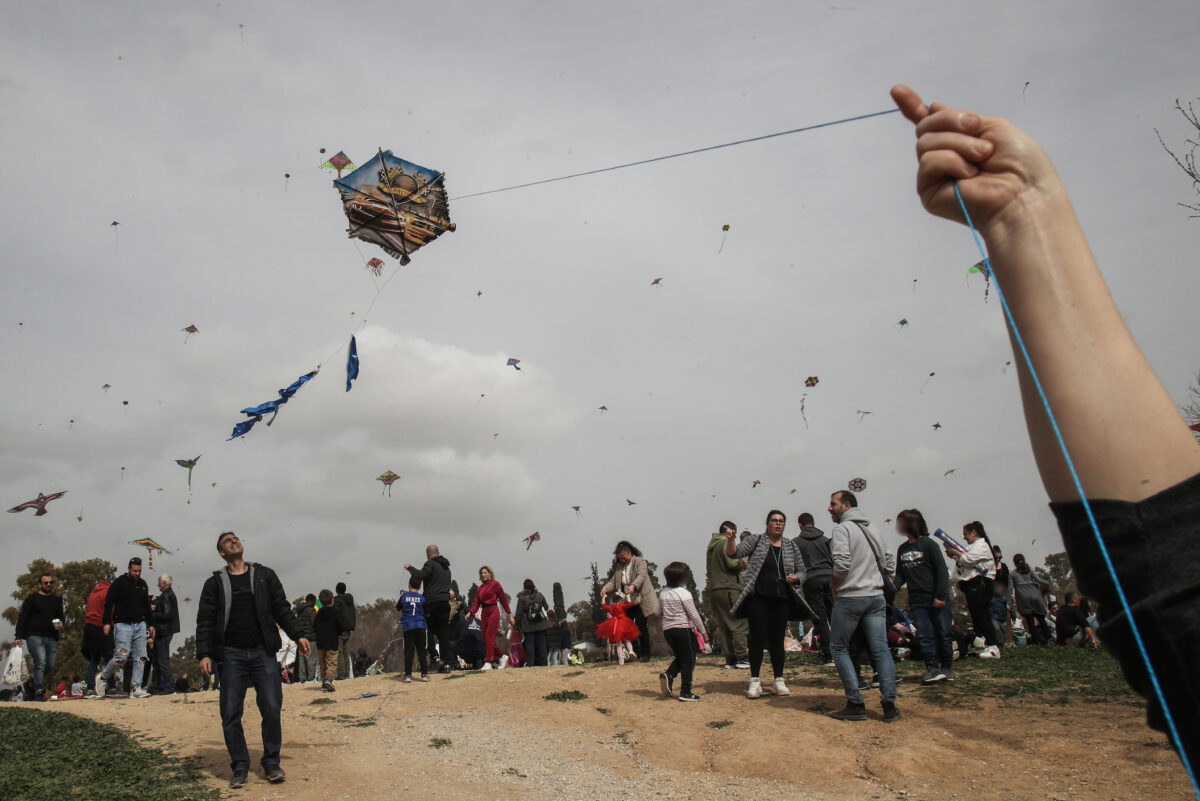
[[507, 742]]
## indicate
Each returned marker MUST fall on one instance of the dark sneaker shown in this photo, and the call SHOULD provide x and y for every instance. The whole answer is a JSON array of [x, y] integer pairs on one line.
[[688, 697], [664, 683], [643, 659], [237, 780], [117, 693], [275, 774], [890, 713], [933, 676], [327, 686], [949, 673], [851, 712], [743, 664]]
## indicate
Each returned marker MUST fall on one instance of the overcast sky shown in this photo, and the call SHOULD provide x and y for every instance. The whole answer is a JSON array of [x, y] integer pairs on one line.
[[180, 121]]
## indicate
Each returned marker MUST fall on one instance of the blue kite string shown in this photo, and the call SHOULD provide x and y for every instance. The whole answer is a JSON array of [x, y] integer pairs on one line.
[[1108, 562]]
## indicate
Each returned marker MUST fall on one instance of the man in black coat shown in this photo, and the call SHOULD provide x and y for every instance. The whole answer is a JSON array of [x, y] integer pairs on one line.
[[37, 626], [236, 627], [435, 581], [347, 617], [166, 626]]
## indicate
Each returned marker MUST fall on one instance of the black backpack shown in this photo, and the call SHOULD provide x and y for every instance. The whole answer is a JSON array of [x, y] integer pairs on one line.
[[534, 612]]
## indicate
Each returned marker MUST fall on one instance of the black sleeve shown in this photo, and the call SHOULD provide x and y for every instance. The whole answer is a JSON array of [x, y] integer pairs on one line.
[[281, 610], [424, 573], [110, 600], [1155, 546], [208, 615], [941, 589], [162, 615], [147, 612], [23, 618]]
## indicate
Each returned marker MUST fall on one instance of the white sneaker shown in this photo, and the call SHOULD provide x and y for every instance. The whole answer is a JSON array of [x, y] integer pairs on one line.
[[755, 690], [503, 662], [991, 652], [781, 688], [138, 692], [101, 687], [486, 666]]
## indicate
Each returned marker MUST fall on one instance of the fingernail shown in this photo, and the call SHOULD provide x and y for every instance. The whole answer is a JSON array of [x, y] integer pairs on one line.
[[969, 120]]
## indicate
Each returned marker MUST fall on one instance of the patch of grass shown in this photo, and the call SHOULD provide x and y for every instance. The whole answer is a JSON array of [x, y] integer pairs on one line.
[[321, 701], [361, 723], [515, 772], [719, 724], [453, 676], [566, 695], [1042, 675], [440, 742], [573, 674], [50, 755], [603, 711]]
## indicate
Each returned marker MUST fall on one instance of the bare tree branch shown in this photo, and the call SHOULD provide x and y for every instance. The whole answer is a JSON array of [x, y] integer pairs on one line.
[[1187, 162]]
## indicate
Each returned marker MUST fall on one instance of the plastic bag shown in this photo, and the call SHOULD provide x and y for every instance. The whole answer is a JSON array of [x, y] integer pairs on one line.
[[15, 670]]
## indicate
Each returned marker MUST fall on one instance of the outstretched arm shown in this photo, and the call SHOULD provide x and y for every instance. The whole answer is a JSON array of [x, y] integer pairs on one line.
[[1126, 437]]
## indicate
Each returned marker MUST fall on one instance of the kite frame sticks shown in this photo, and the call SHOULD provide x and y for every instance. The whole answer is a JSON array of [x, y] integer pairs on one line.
[[1126, 609]]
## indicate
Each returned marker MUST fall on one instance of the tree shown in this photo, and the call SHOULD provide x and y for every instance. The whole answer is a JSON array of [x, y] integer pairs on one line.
[[651, 569], [1057, 574], [74, 581], [597, 602], [454, 586], [585, 624], [1191, 409], [560, 607], [1187, 161], [187, 651], [472, 591]]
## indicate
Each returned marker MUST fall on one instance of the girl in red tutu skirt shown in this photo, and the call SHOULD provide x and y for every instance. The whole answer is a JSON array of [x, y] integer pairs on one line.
[[619, 630]]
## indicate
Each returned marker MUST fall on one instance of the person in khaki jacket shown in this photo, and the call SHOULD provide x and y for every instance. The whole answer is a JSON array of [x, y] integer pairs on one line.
[[629, 579], [722, 587]]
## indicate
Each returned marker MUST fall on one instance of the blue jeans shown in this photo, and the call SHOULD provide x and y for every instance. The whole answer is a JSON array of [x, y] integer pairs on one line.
[[935, 634], [871, 614], [130, 639], [44, 651], [241, 669], [164, 679]]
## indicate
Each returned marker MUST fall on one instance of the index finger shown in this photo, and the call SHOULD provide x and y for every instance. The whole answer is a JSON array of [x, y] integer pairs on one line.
[[909, 103]]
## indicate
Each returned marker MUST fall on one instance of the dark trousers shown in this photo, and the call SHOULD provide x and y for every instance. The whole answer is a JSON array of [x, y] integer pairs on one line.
[[979, 598], [643, 644], [935, 634], [768, 623], [414, 645], [683, 645], [535, 649], [439, 621], [1038, 631], [240, 670], [164, 679], [819, 594]]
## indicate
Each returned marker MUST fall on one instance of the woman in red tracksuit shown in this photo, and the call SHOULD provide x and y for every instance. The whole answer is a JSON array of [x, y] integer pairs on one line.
[[490, 594]]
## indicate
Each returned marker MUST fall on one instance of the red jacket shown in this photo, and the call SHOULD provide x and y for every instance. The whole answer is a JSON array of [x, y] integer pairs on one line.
[[95, 604], [490, 593]]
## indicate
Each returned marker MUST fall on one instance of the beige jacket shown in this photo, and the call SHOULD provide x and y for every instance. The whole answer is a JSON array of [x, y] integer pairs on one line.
[[637, 574]]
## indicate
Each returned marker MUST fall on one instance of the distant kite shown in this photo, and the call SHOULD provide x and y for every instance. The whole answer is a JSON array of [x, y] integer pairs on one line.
[[286, 177], [479, 294], [948, 472], [106, 387], [603, 409], [376, 267], [338, 161], [189, 464], [351, 363], [39, 503], [811, 381], [514, 364], [191, 329], [151, 546], [388, 479], [981, 267], [903, 322], [631, 503], [724, 234], [856, 484], [577, 509], [793, 491], [862, 414], [937, 426], [79, 517], [531, 539], [1004, 371], [754, 484], [256, 413], [927, 380], [656, 282]]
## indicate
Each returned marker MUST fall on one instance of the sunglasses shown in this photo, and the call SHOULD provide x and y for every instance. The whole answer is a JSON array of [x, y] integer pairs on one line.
[[777, 520]]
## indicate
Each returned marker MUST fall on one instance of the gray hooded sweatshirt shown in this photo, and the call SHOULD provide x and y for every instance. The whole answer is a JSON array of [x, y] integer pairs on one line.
[[814, 547], [854, 562]]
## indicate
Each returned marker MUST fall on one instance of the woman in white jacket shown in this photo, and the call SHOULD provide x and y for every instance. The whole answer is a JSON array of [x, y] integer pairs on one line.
[[975, 572]]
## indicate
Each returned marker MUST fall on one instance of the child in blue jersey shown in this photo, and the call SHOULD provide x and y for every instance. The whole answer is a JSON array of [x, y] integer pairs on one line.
[[415, 625]]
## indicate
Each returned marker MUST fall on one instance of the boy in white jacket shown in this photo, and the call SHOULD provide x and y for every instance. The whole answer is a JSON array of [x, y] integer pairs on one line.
[[859, 558]]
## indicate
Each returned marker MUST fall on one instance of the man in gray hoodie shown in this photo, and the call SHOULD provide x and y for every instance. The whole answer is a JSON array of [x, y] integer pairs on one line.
[[818, 581], [860, 557]]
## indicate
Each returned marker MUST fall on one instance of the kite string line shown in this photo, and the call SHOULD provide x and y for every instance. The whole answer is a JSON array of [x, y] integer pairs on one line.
[[680, 154], [1108, 562]]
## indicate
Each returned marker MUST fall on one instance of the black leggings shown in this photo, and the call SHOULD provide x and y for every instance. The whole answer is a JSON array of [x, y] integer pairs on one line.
[[768, 623], [978, 592], [683, 645], [414, 645], [643, 644]]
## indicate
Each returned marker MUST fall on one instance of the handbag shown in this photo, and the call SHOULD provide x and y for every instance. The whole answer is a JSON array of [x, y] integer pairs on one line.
[[889, 588]]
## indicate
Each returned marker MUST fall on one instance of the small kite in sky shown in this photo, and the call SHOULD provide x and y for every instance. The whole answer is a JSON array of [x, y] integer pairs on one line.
[[754, 484], [531, 539], [39, 503], [191, 329], [903, 322], [724, 234], [255, 413], [375, 265], [1004, 371], [151, 546], [948, 472], [338, 161], [982, 268], [631, 503], [862, 414], [79, 517], [811, 381], [388, 479], [914, 286], [603, 409], [793, 491], [395, 204], [927, 380], [116, 231], [577, 509], [656, 282], [106, 387], [856, 484], [479, 294], [937, 426], [190, 464], [286, 177], [514, 364], [351, 363], [1023, 88], [70, 424]]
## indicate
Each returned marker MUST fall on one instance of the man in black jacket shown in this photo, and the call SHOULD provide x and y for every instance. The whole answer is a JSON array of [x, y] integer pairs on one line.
[[236, 626], [347, 617], [818, 579], [38, 626], [166, 626], [129, 619], [435, 579]]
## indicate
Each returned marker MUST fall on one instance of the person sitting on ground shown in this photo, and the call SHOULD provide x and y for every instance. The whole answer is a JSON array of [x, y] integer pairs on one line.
[[680, 617], [1142, 479], [328, 632], [468, 640], [1073, 626]]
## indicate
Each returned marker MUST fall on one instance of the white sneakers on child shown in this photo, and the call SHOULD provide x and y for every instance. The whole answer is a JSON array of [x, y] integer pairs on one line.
[[755, 690], [486, 666], [781, 688]]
